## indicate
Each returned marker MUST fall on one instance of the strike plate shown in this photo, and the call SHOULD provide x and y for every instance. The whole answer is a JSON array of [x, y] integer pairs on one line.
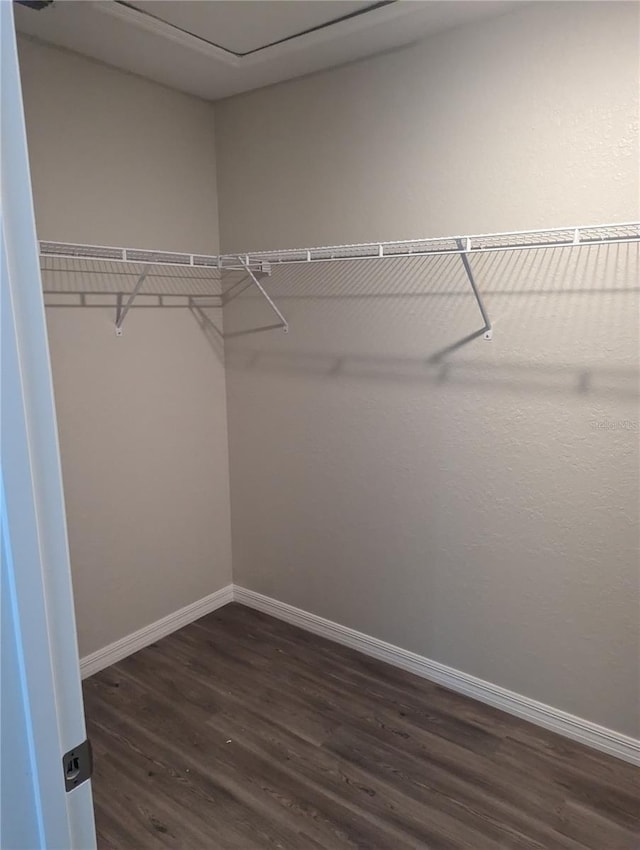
[[77, 765]]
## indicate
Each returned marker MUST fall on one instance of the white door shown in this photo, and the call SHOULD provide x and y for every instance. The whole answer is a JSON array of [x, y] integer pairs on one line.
[[41, 699]]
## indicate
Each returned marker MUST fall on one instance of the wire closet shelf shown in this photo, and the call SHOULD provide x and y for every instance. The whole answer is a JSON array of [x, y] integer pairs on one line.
[[258, 264]]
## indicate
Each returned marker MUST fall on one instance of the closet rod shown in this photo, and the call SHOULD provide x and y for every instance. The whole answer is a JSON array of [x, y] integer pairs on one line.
[[560, 237], [138, 256]]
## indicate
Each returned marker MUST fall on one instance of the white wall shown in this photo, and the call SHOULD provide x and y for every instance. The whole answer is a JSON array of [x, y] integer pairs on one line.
[[482, 512], [118, 160]]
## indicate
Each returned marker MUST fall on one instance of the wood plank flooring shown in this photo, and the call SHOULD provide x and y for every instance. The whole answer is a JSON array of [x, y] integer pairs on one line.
[[240, 732]]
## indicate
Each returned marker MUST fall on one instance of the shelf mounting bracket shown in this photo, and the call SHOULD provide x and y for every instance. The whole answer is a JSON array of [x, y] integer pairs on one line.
[[121, 311], [464, 245], [245, 263]]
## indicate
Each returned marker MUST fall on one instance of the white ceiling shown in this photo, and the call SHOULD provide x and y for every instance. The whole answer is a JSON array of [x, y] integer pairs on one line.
[[217, 48], [247, 26]]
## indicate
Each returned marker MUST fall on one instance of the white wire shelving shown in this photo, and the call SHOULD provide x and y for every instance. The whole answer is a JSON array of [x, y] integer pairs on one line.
[[256, 265], [602, 234]]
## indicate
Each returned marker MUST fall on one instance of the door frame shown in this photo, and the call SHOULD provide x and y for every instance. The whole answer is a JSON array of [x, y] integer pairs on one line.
[[36, 572]]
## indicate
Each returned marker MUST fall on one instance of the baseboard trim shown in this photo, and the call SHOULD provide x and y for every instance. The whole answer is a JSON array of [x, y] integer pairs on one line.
[[561, 722], [576, 728], [120, 649]]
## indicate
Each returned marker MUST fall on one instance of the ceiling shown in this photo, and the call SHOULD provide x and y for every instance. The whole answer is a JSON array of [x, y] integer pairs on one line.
[[217, 48], [250, 26]]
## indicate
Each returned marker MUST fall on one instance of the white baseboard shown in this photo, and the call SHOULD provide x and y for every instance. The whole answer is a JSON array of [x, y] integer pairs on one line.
[[561, 722], [583, 731], [120, 649]]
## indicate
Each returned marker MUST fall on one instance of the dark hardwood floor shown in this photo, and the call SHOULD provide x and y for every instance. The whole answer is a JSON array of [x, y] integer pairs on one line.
[[240, 732]]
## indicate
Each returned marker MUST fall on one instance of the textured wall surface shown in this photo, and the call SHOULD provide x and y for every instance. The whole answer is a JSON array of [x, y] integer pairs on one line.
[[142, 418], [481, 510]]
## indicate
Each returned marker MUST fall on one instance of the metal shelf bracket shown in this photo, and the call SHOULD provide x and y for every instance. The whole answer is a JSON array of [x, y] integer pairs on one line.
[[465, 245], [266, 269]]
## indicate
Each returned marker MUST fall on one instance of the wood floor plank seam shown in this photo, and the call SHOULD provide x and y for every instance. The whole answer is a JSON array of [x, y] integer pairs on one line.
[[241, 731]]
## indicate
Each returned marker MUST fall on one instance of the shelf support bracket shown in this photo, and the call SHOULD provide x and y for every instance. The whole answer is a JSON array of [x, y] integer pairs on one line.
[[245, 263], [487, 330], [121, 312]]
